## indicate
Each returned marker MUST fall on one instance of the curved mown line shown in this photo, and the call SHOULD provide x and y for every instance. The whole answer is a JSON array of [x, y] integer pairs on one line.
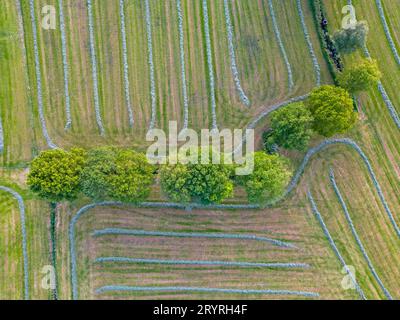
[[94, 68], [210, 65], [106, 289], [232, 55], [38, 72], [387, 31], [83, 210], [151, 66], [21, 206], [130, 232], [355, 234], [333, 245], [65, 65], [281, 45], [204, 263], [125, 62], [183, 66], [273, 265], [317, 68]]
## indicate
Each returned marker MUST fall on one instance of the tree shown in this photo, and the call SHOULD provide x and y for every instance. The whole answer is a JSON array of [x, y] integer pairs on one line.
[[292, 126], [55, 174], [205, 183], [117, 175], [268, 181], [351, 39], [332, 110], [360, 77]]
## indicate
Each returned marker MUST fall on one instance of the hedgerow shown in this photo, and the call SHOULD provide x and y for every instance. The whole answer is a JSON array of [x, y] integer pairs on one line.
[[21, 206], [151, 66], [317, 68], [210, 65], [65, 64], [94, 68], [333, 245], [232, 55], [387, 31], [355, 234], [38, 73], [125, 62], [183, 67], [281, 45]]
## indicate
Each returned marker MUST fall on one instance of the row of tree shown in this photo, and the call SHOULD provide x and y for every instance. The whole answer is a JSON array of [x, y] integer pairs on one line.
[[115, 174], [328, 111]]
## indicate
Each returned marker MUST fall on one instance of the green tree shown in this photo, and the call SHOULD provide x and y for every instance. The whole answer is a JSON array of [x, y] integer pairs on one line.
[[117, 174], [205, 183], [292, 126], [55, 174], [360, 77], [268, 181], [349, 40], [332, 110]]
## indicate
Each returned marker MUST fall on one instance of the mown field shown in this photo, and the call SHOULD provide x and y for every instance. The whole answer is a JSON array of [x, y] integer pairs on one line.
[[264, 78]]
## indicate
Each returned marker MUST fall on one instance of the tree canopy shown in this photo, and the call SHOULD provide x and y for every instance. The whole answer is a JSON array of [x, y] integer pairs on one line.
[[361, 76], [292, 126], [332, 110], [55, 174], [352, 39], [269, 179], [117, 174], [204, 183]]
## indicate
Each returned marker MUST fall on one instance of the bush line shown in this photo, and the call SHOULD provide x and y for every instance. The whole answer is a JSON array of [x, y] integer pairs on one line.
[[387, 31], [125, 62], [317, 68], [38, 73], [355, 234], [106, 289], [281, 45], [275, 265], [151, 66], [183, 66], [65, 65], [333, 245], [21, 206], [232, 55], [210, 65], [94, 68]]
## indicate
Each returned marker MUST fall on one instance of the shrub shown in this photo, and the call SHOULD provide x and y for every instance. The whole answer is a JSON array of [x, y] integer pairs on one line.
[[292, 126], [360, 77], [205, 183], [332, 110], [349, 40], [55, 174], [117, 175], [269, 179]]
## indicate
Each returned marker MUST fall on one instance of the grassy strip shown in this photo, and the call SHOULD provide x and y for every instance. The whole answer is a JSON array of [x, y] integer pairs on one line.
[[21, 205], [333, 245], [355, 234], [49, 142], [281, 45], [106, 289], [94, 68]]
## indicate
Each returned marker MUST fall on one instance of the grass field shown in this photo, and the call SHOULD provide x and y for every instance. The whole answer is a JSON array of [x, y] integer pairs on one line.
[[264, 79]]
